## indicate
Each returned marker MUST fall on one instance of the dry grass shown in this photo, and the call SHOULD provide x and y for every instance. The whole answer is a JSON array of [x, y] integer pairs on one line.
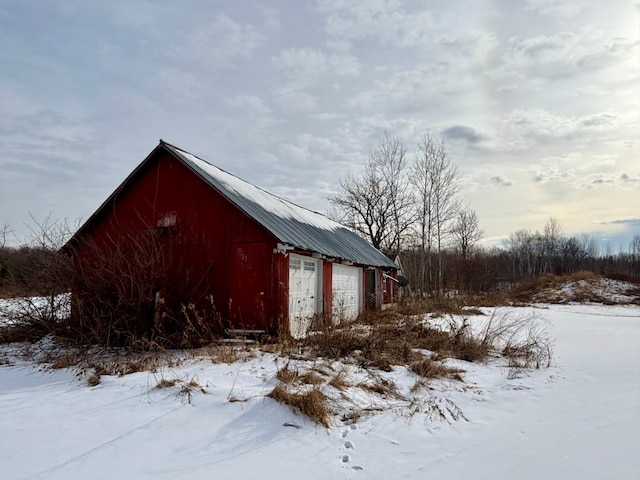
[[548, 288], [287, 374], [388, 339], [380, 386], [429, 368], [311, 403], [167, 382], [312, 378], [339, 381]]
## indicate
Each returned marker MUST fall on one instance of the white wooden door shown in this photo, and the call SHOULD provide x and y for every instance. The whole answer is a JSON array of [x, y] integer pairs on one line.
[[304, 293], [347, 292]]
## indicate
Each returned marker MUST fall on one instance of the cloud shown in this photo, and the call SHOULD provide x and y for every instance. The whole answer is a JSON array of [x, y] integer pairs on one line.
[[305, 66], [408, 90], [558, 8], [625, 178], [219, 44], [395, 24], [562, 55], [620, 179], [552, 170], [463, 133], [291, 100], [600, 119], [249, 104], [381, 20], [313, 149], [182, 85], [500, 180], [621, 221], [524, 128]]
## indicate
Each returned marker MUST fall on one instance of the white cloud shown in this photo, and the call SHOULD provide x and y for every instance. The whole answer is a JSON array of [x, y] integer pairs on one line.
[[551, 170], [182, 85], [291, 100], [219, 43], [561, 8], [562, 54], [305, 66], [523, 128], [250, 104], [384, 21]]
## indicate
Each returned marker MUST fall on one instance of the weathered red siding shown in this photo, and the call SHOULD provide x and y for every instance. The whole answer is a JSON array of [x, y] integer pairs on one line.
[[327, 291], [229, 255]]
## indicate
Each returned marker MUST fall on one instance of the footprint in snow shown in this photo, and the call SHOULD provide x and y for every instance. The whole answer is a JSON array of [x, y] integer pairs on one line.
[[348, 444]]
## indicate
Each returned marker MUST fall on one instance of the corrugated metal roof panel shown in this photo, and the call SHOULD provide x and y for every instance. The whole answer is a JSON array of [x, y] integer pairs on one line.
[[289, 223]]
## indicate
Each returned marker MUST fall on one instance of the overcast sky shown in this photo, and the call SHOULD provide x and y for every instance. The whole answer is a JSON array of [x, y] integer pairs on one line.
[[538, 101]]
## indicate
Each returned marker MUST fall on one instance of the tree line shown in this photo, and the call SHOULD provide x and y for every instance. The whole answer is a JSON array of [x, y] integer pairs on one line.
[[408, 205]]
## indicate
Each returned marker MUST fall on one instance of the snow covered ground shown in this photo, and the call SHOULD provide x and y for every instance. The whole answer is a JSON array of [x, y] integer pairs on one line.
[[579, 419]]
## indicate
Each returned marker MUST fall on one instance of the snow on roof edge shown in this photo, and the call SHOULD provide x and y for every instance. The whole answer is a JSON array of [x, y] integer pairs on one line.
[[269, 201]]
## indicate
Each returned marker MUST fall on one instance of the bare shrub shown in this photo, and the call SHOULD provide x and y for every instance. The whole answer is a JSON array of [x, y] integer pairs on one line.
[[132, 291], [523, 339], [41, 280], [442, 408]]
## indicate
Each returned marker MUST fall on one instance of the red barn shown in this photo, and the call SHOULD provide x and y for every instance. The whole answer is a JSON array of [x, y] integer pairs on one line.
[[264, 263]]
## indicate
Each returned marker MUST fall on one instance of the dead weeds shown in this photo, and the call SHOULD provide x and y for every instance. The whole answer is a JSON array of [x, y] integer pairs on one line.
[[311, 403]]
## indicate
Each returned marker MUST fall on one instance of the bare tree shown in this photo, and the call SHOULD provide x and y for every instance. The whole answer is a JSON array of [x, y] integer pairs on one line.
[[4, 269], [466, 231], [5, 231], [634, 254], [376, 204], [435, 180], [551, 245]]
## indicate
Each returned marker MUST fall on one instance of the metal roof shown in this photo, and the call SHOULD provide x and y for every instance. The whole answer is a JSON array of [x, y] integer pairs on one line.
[[291, 224]]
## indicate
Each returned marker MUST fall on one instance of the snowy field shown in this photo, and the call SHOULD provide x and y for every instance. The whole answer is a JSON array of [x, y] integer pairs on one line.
[[579, 419]]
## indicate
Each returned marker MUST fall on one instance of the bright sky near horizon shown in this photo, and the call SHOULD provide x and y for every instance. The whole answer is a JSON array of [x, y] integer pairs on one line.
[[538, 101]]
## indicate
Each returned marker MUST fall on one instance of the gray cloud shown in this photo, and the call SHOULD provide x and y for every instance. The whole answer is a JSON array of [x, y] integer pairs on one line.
[[500, 180], [464, 133], [621, 221]]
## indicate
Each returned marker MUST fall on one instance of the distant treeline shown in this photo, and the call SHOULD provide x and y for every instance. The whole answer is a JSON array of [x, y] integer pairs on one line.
[[23, 270], [523, 256]]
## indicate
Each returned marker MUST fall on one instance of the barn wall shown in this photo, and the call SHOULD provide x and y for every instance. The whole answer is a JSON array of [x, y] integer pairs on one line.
[[327, 291], [222, 252]]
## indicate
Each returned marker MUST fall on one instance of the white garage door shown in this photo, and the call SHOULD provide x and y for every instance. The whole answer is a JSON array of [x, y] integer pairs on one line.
[[304, 293], [347, 292]]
